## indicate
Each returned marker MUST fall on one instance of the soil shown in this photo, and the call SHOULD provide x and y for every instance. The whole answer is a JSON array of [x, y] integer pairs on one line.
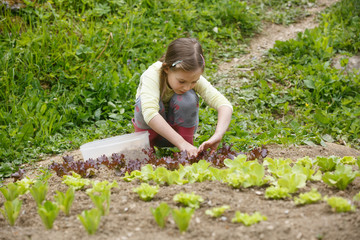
[[130, 217]]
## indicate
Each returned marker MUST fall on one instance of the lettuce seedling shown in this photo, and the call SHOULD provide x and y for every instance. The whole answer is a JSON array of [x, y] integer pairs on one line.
[[307, 198], [348, 160], [339, 204], [217, 211], [357, 197], [169, 177], [341, 177], [12, 191], [161, 213], [247, 219], [75, 181], [278, 167], [146, 192], [65, 200], [90, 220], [48, 213], [277, 192], [182, 217], [292, 181], [39, 191], [189, 200], [100, 195], [327, 164], [11, 210]]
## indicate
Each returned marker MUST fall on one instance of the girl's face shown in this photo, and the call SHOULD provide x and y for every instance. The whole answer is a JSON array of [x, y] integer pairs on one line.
[[181, 81]]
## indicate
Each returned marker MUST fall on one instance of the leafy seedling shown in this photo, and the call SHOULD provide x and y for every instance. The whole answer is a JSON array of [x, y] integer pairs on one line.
[[65, 200], [75, 181], [12, 191], [341, 177], [90, 220], [339, 204], [247, 219], [276, 192], [161, 213], [39, 191], [11, 210], [217, 211], [146, 192], [48, 213], [182, 217], [307, 198], [188, 199], [100, 195]]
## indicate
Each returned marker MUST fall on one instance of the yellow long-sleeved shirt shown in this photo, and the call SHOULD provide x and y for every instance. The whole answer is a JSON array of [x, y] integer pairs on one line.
[[149, 92]]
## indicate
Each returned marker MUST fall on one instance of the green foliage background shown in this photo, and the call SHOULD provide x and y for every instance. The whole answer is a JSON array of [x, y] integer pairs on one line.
[[69, 71]]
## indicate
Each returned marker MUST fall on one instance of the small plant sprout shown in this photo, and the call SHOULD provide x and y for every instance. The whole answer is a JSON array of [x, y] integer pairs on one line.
[[182, 217], [357, 197], [75, 181], [90, 220], [160, 214], [188, 199], [146, 192], [247, 219], [306, 198], [39, 191], [217, 211], [276, 192], [339, 204], [11, 210], [100, 195], [12, 190], [48, 213], [65, 200]]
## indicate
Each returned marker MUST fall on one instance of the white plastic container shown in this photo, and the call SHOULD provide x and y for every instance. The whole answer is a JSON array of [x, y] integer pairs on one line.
[[119, 144]]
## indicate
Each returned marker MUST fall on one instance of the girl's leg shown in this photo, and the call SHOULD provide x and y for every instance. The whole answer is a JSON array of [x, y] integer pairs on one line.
[[183, 114], [140, 124]]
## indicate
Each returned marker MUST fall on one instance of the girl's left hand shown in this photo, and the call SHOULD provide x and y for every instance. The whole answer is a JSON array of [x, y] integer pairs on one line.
[[212, 143]]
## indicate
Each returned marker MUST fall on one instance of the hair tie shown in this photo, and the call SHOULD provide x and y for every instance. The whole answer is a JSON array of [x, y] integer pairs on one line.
[[203, 59], [177, 62]]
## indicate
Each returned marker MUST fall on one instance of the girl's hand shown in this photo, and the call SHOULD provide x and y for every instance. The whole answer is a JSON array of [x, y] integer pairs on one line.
[[190, 149], [212, 143]]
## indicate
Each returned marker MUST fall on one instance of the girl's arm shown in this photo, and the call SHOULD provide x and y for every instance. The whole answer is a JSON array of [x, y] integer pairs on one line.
[[224, 118], [159, 125]]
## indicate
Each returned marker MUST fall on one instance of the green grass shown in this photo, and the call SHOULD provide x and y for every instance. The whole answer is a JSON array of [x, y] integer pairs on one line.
[[69, 71]]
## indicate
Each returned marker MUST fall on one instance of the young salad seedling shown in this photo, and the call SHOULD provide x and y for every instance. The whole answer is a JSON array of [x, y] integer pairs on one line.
[[339, 204], [189, 200], [100, 195], [65, 200], [39, 191], [48, 213], [217, 211], [75, 181], [307, 198], [146, 192], [90, 220], [247, 219], [12, 190], [11, 210], [182, 217], [161, 213]]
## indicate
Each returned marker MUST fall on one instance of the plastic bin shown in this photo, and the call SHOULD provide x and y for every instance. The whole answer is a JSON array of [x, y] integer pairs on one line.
[[124, 144]]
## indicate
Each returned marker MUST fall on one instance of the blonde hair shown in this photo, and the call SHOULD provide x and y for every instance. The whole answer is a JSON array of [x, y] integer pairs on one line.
[[182, 54]]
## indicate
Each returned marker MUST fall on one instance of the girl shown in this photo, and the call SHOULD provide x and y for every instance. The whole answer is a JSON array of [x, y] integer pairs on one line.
[[167, 104]]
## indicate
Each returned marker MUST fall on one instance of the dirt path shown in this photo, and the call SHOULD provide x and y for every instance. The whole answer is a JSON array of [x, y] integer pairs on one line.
[[273, 32]]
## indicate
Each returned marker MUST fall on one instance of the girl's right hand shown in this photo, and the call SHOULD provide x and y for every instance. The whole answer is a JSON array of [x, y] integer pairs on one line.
[[190, 149]]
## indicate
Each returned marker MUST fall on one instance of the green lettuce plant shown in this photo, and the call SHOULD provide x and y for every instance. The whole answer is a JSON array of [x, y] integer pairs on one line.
[[65, 200], [339, 204], [182, 217], [75, 181], [11, 210], [217, 211], [161, 213], [276, 192], [12, 191], [341, 177], [307, 198], [247, 219], [90, 219], [188, 199], [48, 213], [327, 164], [100, 195], [146, 192], [39, 191], [292, 181]]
